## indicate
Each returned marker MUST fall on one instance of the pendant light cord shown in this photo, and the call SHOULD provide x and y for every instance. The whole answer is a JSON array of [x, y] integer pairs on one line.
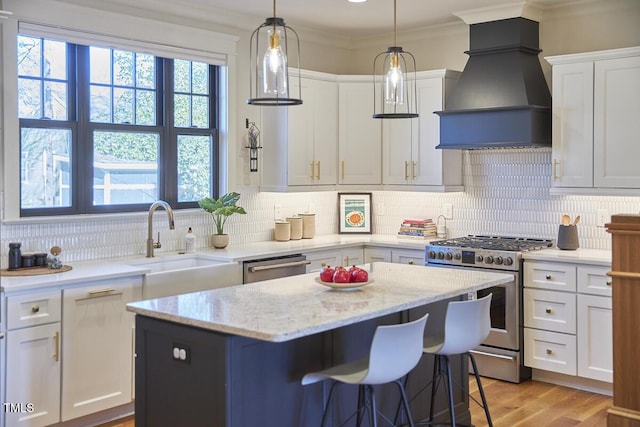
[[395, 42]]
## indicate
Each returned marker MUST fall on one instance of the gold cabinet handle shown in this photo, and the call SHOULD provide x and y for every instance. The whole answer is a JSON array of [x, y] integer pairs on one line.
[[548, 310], [346, 260], [413, 170], [56, 341], [35, 309], [549, 351], [609, 282], [101, 291], [343, 170], [406, 171], [555, 169], [318, 176], [313, 164], [410, 262], [323, 264], [548, 277]]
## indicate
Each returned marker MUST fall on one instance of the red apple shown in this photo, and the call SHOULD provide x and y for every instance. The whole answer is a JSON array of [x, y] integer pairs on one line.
[[360, 276], [326, 274], [341, 276]]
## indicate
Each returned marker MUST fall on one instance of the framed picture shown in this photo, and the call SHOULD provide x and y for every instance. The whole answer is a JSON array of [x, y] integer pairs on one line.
[[354, 213]]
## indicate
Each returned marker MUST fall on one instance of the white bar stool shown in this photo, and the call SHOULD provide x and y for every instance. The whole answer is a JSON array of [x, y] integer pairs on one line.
[[467, 324], [395, 350]]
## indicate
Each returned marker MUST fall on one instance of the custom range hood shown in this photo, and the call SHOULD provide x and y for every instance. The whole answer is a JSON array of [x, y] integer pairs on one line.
[[502, 99]]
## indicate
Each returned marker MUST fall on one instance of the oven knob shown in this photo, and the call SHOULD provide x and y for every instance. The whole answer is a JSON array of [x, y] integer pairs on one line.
[[432, 254], [448, 255], [508, 261], [499, 260], [479, 258], [488, 259], [457, 256], [440, 255]]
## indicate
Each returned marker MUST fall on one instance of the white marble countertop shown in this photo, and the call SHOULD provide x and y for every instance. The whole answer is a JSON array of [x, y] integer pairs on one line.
[[293, 307], [579, 256]]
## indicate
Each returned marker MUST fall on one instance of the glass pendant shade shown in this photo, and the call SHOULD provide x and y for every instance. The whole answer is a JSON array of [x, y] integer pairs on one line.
[[268, 64], [394, 82]]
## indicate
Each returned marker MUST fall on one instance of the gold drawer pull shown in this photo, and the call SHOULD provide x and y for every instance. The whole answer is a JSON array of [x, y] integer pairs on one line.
[[548, 277], [56, 340], [548, 310], [313, 170], [35, 309], [549, 351], [318, 176], [406, 171], [323, 264], [609, 282], [410, 262], [413, 170], [101, 291], [555, 170]]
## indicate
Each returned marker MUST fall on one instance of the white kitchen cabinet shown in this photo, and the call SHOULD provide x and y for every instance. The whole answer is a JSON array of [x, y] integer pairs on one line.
[[568, 319], [344, 257], [594, 124], [301, 142], [98, 346], [33, 375], [377, 255], [407, 256], [360, 135], [409, 154]]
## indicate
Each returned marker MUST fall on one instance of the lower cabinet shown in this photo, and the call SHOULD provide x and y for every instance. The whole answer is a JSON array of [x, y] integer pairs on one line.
[[399, 256], [568, 319], [98, 346], [344, 257]]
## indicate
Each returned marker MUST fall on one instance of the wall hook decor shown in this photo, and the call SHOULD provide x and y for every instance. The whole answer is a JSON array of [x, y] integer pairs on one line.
[[254, 144]]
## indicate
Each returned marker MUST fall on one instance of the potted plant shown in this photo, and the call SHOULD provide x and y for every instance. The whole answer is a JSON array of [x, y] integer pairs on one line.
[[221, 209]]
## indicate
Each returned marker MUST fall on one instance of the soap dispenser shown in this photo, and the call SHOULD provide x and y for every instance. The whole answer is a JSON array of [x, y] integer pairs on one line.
[[190, 241]]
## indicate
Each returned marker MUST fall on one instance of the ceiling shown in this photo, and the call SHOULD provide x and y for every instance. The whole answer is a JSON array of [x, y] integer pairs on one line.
[[365, 19]]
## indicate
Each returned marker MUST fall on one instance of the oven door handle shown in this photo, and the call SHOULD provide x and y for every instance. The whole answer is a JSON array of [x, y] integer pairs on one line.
[[499, 356], [282, 265]]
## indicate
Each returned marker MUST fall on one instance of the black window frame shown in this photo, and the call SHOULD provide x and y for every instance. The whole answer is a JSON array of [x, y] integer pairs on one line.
[[78, 121]]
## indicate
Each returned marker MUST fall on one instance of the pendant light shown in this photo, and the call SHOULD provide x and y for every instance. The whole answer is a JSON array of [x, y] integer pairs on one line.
[[268, 63], [397, 93]]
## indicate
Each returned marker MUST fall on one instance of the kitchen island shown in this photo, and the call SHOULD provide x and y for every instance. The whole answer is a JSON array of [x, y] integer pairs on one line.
[[235, 356]]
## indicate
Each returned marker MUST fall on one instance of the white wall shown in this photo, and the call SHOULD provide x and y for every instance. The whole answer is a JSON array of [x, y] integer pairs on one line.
[[506, 191]]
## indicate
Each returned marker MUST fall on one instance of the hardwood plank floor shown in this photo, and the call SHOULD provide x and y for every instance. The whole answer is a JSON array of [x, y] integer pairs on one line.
[[529, 404]]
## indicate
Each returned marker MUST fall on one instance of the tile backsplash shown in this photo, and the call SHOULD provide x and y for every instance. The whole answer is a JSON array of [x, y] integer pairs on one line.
[[506, 193]]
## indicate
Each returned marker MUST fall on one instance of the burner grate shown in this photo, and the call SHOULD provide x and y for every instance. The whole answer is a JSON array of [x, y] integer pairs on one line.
[[498, 243]]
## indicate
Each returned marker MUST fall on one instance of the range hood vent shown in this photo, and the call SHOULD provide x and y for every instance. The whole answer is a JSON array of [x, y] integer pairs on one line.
[[502, 99]]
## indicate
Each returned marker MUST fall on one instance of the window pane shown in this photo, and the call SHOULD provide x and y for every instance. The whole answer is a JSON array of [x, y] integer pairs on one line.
[[200, 78], [145, 107], [182, 75], [145, 71], [125, 167], [182, 111], [100, 104], [55, 105], [194, 167], [122, 105], [29, 56], [55, 60], [29, 101], [45, 158], [200, 111], [100, 67], [122, 68]]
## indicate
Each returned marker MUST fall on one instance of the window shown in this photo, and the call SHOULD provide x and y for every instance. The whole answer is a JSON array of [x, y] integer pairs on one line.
[[109, 130]]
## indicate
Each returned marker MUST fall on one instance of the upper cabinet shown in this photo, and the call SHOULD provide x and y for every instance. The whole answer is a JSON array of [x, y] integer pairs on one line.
[[301, 142], [595, 122], [360, 135], [410, 158]]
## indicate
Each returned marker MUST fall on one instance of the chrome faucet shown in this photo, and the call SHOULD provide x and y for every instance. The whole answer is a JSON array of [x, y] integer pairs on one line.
[[151, 245]]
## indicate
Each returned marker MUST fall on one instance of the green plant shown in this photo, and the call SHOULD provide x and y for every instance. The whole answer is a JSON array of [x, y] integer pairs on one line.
[[221, 209]]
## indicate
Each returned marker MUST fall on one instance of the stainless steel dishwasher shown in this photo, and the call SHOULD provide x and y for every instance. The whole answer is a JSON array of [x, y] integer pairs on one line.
[[274, 268]]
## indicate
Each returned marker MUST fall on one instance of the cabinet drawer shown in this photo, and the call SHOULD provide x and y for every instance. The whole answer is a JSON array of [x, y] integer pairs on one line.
[[550, 351], [33, 309], [594, 280], [550, 275], [377, 255], [550, 310], [407, 257]]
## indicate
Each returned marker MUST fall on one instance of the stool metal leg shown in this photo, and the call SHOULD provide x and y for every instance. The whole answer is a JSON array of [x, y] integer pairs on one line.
[[452, 412], [326, 408], [482, 396], [374, 409], [405, 403]]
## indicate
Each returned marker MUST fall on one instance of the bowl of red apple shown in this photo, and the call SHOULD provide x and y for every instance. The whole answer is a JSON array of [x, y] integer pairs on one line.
[[342, 278]]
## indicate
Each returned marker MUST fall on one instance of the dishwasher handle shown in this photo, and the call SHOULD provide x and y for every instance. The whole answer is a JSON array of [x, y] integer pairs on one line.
[[282, 265]]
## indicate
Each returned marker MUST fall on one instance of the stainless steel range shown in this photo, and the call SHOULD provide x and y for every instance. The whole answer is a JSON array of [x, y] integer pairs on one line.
[[501, 355]]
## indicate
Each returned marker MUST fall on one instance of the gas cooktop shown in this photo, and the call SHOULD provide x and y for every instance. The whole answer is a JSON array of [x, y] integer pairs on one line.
[[498, 243]]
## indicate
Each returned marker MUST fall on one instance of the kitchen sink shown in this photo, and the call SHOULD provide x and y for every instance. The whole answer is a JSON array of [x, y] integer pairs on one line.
[[184, 273]]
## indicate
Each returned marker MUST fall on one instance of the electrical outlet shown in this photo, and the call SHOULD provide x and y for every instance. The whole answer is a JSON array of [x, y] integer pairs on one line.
[[448, 210], [277, 211], [602, 217], [380, 208]]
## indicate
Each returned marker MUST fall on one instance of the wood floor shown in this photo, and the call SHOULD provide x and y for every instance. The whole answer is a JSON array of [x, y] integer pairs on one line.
[[530, 404]]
